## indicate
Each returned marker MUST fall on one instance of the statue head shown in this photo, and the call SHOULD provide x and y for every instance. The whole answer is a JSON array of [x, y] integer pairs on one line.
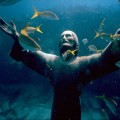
[[68, 41]]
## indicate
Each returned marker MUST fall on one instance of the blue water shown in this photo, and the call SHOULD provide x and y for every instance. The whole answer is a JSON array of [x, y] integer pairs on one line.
[[26, 95]]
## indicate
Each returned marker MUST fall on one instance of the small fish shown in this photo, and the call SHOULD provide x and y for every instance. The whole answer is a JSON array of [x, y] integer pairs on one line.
[[85, 41], [99, 34], [71, 51], [111, 104], [27, 42], [45, 14], [30, 29], [94, 49], [115, 36], [101, 26], [68, 52]]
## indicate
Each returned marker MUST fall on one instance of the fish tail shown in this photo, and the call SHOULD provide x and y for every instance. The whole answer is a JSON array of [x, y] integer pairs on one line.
[[72, 52], [111, 36], [36, 13], [97, 35], [38, 29]]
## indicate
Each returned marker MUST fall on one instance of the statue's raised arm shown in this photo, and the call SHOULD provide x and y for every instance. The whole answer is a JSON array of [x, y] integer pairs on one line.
[[36, 60], [100, 64], [9, 29]]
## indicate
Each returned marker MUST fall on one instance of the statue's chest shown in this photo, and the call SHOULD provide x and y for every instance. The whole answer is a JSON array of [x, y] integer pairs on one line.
[[65, 74]]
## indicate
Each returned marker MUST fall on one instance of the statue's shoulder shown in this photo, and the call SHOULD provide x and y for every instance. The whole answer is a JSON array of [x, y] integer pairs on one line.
[[82, 58]]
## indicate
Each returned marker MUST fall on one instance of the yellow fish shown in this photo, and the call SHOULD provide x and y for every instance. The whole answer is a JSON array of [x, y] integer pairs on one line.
[[115, 36], [30, 29], [71, 51], [45, 14], [27, 42], [99, 34]]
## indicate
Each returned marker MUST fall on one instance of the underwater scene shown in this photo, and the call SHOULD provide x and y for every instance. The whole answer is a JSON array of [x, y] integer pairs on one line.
[[27, 95]]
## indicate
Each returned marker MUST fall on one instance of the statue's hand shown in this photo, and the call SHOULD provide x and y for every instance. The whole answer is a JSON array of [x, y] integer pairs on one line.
[[9, 29]]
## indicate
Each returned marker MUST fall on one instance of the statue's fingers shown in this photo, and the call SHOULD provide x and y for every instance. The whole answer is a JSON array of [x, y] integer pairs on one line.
[[2, 26], [13, 25], [3, 29], [2, 22]]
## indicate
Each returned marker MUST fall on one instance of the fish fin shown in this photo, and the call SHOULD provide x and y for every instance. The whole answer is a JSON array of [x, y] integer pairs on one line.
[[36, 13], [29, 41], [25, 28], [38, 28], [23, 31], [97, 35], [73, 52], [36, 44]]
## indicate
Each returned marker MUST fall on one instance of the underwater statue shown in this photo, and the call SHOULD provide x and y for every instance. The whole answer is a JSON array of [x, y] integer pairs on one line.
[[68, 72]]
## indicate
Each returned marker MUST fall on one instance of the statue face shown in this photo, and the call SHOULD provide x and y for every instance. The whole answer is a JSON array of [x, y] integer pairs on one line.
[[68, 42], [67, 39]]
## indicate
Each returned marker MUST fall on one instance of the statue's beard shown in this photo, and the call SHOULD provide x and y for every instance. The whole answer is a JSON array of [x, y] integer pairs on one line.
[[64, 47], [66, 55]]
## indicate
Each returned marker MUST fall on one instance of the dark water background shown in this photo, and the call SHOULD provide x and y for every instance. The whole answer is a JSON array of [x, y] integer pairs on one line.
[[26, 95]]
